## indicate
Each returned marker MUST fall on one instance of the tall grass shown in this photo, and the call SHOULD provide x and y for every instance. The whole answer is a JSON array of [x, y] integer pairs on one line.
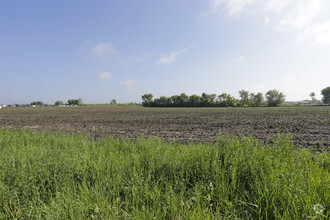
[[54, 176]]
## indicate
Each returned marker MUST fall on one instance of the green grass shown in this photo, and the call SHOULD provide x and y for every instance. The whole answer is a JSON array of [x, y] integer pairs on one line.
[[54, 176]]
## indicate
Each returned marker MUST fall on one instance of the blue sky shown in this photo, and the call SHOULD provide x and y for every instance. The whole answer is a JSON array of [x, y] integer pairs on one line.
[[102, 50]]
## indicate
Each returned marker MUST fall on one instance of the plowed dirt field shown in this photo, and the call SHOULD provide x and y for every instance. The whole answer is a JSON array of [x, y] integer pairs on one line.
[[310, 126]]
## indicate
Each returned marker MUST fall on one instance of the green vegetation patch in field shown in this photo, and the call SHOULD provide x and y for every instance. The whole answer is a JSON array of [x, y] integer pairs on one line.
[[54, 176]]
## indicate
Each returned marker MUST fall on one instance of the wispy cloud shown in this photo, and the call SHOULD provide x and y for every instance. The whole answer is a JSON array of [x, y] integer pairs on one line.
[[130, 83], [240, 58], [105, 76], [232, 7], [266, 21], [301, 14], [316, 35], [215, 5], [141, 57], [309, 18], [103, 50], [172, 57]]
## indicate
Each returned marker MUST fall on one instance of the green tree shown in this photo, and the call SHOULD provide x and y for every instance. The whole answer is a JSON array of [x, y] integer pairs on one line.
[[71, 102], [208, 99], [175, 99], [274, 98], [147, 99], [57, 103], [184, 99], [163, 101], [38, 103], [244, 97], [212, 99], [80, 102], [326, 95], [113, 102], [226, 100], [205, 99], [231, 101], [75, 102], [256, 99], [312, 95], [194, 100], [223, 99]]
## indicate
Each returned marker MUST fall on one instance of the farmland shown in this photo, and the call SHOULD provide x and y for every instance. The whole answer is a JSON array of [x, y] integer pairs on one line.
[[164, 163], [310, 126]]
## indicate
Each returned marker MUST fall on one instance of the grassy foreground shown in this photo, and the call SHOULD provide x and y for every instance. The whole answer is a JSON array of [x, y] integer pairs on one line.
[[54, 176]]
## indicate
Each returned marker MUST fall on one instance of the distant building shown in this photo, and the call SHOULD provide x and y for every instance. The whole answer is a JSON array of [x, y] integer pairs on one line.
[[306, 102], [290, 103]]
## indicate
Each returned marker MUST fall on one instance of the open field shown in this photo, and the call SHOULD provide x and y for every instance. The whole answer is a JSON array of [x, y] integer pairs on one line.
[[118, 174], [310, 126], [54, 176]]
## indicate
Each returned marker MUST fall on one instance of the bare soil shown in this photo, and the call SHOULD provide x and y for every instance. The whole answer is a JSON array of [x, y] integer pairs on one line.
[[310, 126]]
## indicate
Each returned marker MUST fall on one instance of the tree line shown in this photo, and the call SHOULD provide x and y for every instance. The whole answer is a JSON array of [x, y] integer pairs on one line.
[[272, 98], [326, 95], [77, 102]]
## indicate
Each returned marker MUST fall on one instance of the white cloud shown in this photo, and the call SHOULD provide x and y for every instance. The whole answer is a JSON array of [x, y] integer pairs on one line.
[[130, 83], [103, 50], [240, 58], [215, 5], [266, 22], [104, 76], [141, 57], [172, 57], [308, 18], [233, 7], [301, 15], [316, 35], [278, 5]]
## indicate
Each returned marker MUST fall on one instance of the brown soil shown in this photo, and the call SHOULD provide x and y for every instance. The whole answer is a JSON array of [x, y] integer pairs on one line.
[[310, 126]]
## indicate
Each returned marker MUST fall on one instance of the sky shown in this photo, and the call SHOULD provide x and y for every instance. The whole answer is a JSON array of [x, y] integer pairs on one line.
[[57, 50]]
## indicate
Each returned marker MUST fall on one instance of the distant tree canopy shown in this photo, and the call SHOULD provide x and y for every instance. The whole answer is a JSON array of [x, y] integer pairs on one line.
[[113, 102], [274, 98], [147, 99], [75, 102], [38, 103], [57, 103], [256, 99], [326, 95], [244, 97]]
